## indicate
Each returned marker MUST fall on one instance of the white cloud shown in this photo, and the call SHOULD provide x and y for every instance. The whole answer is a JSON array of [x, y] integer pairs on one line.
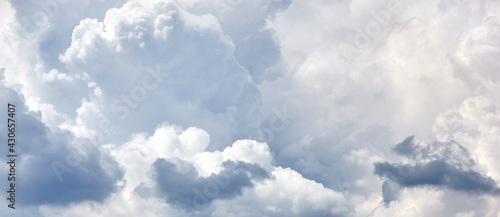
[[181, 86], [163, 49], [474, 124], [292, 194]]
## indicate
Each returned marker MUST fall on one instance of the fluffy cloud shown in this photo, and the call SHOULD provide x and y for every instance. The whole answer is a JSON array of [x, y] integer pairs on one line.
[[295, 101], [227, 183], [68, 169], [477, 57], [441, 174], [245, 22], [436, 164], [183, 59], [292, 194], [474, 124], [178, 181]]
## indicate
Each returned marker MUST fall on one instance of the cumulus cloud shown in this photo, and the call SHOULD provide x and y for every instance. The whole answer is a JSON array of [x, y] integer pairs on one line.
[[436, 164], [477, 57], [178, 181], [228, 182], [68, 169], [441, 174], [293, 195], [294, 100], [245, 22], [475, 124], [169, 54]]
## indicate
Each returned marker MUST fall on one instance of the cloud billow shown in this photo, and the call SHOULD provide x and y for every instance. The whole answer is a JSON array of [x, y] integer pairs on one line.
[[186, 83], [86, 174], [440, 174], [180, 184], [197, 82], [446, 165]]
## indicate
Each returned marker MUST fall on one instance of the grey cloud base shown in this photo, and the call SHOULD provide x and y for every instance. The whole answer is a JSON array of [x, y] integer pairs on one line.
[[438, 174], [434, 165], [181, 185], [50, 169]]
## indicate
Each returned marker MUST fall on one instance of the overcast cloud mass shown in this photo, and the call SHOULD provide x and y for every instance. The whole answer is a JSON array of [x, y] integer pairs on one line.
[[219, 108]]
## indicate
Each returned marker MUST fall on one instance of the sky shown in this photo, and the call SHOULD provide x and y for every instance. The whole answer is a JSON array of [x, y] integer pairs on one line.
[[221, 108]]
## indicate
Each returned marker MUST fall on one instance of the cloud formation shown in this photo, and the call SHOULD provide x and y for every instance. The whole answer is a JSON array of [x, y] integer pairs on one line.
[[439, 174], [142, 102], [179, 181], [183, 59], [437, 164], [205, 183], [68, 169]]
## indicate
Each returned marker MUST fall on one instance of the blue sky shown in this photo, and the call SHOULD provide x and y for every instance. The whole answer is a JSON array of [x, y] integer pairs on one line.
[[253, 108]]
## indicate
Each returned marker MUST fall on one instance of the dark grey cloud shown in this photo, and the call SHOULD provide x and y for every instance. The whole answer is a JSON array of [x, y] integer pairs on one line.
[[451, 152], [197, 80], [180, 184], [80, 178], [85, 174], [390, 191], [440, 174], [406, 147], [437, 164]]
